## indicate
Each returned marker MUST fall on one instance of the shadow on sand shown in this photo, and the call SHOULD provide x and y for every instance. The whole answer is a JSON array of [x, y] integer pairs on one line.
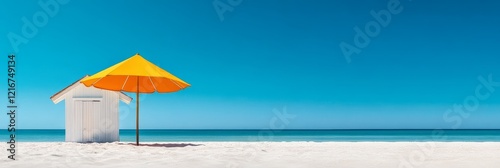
[[167, 145]]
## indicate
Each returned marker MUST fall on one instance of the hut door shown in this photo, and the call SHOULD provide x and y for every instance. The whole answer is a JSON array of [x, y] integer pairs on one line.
[[90, 115]]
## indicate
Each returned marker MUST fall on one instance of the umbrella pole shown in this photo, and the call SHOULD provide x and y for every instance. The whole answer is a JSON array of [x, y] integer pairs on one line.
[[137, 115]]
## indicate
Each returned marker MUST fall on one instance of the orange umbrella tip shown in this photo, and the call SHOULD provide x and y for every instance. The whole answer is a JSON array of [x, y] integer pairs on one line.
[[136, 55]]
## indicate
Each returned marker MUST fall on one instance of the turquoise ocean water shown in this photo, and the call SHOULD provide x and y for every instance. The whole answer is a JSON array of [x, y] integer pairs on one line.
[[492, 135]]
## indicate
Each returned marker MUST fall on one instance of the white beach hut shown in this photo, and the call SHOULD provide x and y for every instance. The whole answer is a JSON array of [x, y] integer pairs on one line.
[[91, 113]]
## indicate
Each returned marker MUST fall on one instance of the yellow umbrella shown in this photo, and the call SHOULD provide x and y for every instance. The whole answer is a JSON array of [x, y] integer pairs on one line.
[[138, 75]]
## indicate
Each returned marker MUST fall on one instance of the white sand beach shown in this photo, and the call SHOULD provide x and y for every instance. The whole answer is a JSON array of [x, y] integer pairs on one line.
[[257, 154]]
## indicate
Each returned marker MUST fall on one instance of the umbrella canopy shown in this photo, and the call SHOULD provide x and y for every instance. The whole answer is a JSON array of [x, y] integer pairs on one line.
[[137, 75]]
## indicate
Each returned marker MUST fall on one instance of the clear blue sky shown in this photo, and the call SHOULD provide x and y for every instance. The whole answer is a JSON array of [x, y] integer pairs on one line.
[[267, 55]]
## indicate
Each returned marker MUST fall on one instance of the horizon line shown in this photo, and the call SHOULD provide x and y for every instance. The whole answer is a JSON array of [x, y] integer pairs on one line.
[[252, 129]]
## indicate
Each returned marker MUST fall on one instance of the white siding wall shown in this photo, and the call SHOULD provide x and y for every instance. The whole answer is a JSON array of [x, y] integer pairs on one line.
[[104, 126]]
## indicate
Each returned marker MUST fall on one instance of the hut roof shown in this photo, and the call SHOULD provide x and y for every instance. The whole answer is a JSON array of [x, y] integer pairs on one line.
[[57, 97]]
